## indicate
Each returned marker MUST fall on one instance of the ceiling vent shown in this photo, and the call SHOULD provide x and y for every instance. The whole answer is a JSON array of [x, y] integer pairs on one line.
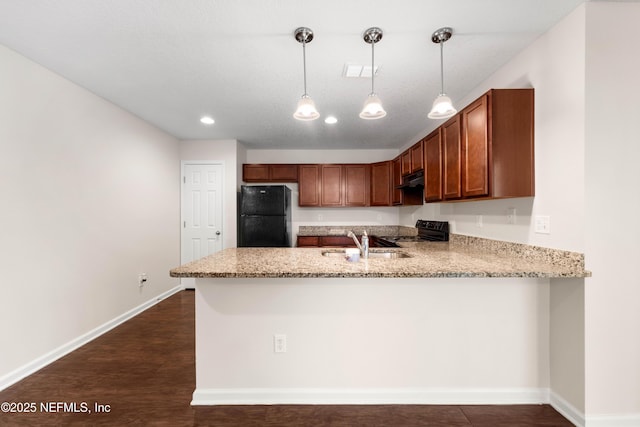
[[359, 71]]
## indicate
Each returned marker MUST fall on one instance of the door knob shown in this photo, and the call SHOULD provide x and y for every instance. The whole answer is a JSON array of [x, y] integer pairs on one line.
[[217, 233]]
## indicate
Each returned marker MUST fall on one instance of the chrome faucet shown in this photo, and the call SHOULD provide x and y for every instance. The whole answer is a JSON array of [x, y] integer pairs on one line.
[[364, 247]]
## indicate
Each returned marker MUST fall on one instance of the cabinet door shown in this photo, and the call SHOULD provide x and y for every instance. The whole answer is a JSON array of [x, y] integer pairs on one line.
[[381, 182], [433, 168], [331, 185], [416, 157], [283, 173], [336, 241], [255, 173], [475, 149], [396, 195], [451, 156], [308, 241], [309, 185], [406, 162], [356, 185]]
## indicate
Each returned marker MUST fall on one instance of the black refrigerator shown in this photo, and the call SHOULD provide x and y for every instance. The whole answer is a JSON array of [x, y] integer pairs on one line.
[[264, 216]]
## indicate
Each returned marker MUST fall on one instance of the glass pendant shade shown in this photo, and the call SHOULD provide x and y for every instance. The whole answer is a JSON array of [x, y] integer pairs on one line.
[[372, 105], [306, 109], [442, 108], [372, 108]]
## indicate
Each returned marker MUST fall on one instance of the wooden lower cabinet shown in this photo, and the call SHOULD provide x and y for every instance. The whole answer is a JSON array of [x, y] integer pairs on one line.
[[308, 241], [325, 242]]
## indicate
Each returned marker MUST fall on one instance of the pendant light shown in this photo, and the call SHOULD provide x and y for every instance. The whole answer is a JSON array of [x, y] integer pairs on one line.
[[442, 106], [306, 107], [372, 106]]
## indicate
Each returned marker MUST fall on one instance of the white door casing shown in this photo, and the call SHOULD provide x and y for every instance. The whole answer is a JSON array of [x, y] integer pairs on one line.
[[201, 211]]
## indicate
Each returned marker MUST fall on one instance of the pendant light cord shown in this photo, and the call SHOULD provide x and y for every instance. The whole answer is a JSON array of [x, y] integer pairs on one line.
[[441, 69], [372, 69], [304, 66]]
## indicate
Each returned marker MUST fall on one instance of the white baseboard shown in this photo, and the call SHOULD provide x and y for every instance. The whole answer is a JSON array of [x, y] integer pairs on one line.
[[39, 363], [631, 420], [567, 410], [409, 396]]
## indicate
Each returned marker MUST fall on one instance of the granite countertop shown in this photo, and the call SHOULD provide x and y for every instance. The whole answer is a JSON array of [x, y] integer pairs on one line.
[[461, 257]]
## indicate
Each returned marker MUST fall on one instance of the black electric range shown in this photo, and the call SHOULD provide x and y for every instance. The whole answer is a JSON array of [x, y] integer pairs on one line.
[[431, 231]]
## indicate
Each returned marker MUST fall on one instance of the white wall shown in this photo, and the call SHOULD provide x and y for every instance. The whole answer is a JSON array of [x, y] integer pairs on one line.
[[612, 301], [387, 215], [372, 340], [89, 200], [228, 152], [554, 66]]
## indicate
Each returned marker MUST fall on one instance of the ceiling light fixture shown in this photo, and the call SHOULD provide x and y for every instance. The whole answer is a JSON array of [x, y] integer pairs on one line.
[[207, 120], [442, 106], [306, 107], [372, 106]]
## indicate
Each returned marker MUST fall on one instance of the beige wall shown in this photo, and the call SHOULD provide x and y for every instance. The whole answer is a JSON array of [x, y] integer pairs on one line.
[[612, 234], [90, 199]]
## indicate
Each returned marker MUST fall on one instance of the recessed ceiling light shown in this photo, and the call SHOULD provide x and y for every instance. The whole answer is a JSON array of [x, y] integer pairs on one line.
[[207, 120], [331, 120]]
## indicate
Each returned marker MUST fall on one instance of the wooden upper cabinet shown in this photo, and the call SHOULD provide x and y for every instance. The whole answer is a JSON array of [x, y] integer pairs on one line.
[[381, 183], [334, 185], [270, 172], [284, 173], [309, 185], [451, 158], [511, 130], [498, 145], [433, 167], [417, 157], [475, 149], [396, 194], [356, 185], [255, 173], [406, 162], [331, 192], [412, 158]]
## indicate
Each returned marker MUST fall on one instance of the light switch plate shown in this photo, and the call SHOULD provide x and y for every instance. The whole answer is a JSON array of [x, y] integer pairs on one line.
[[543, 224]]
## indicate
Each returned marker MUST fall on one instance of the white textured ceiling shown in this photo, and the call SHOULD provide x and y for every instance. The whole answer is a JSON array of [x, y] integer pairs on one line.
[[172, 61]]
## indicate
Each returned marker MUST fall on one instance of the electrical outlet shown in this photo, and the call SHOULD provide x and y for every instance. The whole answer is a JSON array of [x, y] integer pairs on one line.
[[279, 343], [479, 221], [511, 216], [543, 224], [142, 279]]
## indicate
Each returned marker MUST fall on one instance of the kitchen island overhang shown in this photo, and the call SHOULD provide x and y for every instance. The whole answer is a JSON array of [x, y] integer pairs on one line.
[[363, 335]]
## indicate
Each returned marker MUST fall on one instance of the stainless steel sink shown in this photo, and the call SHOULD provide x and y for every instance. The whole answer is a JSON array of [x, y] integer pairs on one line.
[[372, 254]]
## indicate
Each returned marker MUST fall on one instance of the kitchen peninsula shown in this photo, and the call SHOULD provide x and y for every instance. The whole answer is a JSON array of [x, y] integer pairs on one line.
[[453, 322]]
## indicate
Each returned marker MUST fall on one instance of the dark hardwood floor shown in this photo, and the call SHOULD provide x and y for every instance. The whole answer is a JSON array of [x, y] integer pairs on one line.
[[143, 373]]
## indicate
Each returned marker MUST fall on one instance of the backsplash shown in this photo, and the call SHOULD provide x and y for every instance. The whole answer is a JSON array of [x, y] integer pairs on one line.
[[342, 230]]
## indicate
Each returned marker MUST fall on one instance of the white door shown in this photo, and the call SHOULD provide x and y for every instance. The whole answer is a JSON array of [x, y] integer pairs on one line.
[[201, 212]]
